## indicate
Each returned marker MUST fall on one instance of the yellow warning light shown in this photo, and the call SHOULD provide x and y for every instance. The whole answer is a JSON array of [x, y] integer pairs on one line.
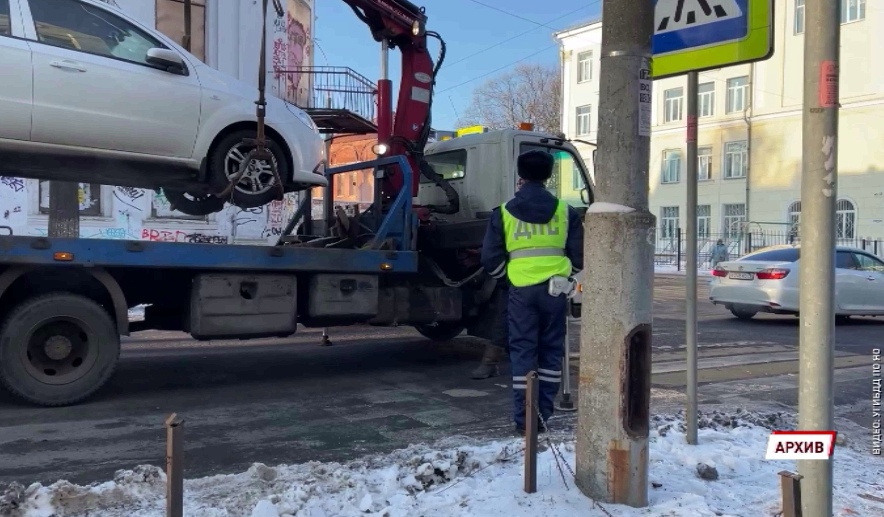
[[386, 267], [63, 256], [526, 126]]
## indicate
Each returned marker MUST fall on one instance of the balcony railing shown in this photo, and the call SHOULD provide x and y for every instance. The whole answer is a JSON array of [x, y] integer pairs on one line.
[[339, 99]]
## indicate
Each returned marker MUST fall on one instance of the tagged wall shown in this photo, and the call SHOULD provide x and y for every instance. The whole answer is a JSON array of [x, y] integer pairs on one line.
[[231, 31]]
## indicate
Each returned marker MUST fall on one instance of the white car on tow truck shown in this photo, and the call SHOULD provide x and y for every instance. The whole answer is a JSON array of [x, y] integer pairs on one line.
[[768, 281]]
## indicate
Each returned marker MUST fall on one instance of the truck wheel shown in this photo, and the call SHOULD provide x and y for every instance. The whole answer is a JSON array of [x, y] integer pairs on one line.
[[57, 349], [441, 332]]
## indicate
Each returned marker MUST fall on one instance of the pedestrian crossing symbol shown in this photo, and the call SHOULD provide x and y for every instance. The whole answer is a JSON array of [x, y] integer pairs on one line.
[[697, 35]]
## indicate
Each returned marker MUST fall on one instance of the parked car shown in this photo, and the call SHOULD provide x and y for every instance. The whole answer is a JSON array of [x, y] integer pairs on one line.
[[90, 95], [768, 281]]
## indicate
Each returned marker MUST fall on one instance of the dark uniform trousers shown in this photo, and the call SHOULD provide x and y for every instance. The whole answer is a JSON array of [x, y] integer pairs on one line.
[[537, 330]]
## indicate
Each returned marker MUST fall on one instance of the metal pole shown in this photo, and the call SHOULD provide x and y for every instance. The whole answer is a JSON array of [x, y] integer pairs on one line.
[[566, 404], [790, 486], [691, 262], [818, 195], [531, 430], [615, 349], [174, 466]]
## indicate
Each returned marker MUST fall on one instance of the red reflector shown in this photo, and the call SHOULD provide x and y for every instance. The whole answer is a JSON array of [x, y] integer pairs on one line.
[[719, 272], [772, 274]]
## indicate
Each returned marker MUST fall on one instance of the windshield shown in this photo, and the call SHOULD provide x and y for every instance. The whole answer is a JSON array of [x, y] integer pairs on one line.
[[568, 174], [451, 165]]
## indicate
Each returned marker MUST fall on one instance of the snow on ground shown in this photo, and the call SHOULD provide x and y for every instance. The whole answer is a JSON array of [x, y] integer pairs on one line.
[[477, 479]]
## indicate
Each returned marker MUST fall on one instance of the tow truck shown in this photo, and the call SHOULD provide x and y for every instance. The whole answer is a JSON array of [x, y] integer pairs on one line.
[[410, 259]]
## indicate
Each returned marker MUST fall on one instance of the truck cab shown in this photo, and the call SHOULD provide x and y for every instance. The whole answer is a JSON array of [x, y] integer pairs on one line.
[[481, 166]]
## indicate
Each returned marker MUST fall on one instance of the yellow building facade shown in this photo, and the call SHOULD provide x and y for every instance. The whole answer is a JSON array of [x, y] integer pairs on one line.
[[749, 139]]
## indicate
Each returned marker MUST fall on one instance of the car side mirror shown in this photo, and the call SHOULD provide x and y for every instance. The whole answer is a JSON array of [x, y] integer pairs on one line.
[[584, 196], [168, 60]]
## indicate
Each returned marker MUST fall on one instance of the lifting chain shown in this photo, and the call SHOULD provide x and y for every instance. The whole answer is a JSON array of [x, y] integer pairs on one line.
[[258, 144], [560, 460]]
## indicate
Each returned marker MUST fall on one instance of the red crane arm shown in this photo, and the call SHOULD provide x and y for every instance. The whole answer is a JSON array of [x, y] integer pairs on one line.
[[403, 25]]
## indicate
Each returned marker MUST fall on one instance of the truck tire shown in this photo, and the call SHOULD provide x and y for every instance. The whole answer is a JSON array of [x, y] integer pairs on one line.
[[57, 349], [441, 332]]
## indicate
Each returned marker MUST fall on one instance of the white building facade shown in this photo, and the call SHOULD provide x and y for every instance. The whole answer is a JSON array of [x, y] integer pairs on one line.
[[749, 133], [226, 34]]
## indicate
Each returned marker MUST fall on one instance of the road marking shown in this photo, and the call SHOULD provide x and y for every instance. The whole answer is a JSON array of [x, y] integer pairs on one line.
[[739, 388], [728, 361], [459, 393], [734, 373], [675, 15]]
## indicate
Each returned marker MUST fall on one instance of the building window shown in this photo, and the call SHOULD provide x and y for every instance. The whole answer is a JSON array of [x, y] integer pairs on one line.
[[736, 159], [853, 10], [704, 221], [737, 94], [706, 99], [671, 166], [672, 104], [794, 216], [669, 222], [704, 163], [845, 220], [583, 122], [799, 16], [584, 67], [88, 194], [733, 219]]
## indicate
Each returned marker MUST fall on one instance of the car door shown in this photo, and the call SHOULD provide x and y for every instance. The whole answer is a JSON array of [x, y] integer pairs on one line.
[[93, 86], [850, 282], [872, 270], [16, 92]]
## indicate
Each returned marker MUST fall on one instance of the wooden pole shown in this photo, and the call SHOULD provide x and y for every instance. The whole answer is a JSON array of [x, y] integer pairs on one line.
[[531, 395], [174, 466]]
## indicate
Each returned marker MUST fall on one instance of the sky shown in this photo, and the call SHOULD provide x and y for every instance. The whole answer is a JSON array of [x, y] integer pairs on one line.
[[482, 41]]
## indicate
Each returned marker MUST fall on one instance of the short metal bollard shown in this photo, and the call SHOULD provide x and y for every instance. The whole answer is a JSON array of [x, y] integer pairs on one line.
[[531, 397], [174, 466], [791, 486], [566, 404]]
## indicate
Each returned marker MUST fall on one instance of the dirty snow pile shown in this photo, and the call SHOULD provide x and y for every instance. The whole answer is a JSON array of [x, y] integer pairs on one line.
[[726, 475]]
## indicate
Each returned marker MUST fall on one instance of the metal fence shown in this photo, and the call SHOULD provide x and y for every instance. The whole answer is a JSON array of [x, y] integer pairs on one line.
[[670, 245]]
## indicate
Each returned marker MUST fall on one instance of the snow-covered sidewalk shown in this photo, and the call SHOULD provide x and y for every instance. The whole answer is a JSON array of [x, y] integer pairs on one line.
[[482, 480]]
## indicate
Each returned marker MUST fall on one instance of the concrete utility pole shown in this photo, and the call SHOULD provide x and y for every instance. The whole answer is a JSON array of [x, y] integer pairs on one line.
[[64, 209], [691, 262], [822, 37], [615, 356]]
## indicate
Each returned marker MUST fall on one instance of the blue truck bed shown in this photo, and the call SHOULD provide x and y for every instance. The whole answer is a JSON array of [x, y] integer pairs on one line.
[[41, 251]]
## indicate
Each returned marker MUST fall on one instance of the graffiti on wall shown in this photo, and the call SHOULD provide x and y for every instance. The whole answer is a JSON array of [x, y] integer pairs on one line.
[[292, 50]]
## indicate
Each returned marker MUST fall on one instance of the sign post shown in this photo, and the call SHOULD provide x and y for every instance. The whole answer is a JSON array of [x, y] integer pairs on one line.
[[691, 36]]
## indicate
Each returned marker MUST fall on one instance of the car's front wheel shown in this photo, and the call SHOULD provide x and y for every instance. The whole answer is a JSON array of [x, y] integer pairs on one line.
[[256, 187]]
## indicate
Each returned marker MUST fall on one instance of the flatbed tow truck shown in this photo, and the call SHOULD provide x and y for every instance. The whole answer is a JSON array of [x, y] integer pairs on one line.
[[411, 259]]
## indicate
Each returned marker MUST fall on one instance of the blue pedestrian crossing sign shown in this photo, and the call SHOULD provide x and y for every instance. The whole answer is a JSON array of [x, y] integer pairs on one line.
[[697, 35]]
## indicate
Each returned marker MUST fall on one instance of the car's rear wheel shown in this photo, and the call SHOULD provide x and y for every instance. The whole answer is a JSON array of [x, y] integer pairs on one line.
[[193, 204], [258, 186], [744, 312]]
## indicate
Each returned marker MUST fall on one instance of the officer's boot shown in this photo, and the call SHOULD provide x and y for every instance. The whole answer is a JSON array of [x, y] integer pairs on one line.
[[489, 366]]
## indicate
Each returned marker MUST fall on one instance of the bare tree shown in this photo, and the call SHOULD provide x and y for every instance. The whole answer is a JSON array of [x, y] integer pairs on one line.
[[528, 93]]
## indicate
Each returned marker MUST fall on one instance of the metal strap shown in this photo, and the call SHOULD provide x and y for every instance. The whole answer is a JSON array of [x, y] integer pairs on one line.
[[537, 252]]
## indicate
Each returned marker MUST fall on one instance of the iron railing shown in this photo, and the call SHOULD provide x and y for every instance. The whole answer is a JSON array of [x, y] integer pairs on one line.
[[328, 88]]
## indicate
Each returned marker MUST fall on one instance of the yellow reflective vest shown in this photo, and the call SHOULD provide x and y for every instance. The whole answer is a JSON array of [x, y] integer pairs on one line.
[[536, 251]]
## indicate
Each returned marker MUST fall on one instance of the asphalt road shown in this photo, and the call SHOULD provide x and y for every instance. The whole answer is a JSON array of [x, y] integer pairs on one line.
[[291, 400]]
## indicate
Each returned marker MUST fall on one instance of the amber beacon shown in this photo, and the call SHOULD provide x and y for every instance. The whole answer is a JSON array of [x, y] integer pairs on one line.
[[801, 445]]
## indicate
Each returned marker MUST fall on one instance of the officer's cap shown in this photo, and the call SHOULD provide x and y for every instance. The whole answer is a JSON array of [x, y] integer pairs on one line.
[[535, 165]]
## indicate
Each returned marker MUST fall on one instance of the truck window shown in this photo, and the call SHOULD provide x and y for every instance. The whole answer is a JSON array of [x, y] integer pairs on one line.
[[568, 175], [452, 165]]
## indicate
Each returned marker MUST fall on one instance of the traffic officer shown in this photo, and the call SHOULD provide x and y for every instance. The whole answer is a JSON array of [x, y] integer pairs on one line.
[[536, 241]]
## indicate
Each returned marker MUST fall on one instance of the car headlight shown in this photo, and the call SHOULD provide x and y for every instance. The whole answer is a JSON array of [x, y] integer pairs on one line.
[[302, 116]]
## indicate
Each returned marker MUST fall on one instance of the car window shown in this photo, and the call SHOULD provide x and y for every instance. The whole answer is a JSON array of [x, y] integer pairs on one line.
[[85, 28], [568, 173], [451, 165], [845, 260], [777, 255], [5, 24], [869, 263]]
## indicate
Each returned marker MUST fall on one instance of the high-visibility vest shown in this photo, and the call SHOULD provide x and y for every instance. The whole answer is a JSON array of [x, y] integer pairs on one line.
[[536, 251]]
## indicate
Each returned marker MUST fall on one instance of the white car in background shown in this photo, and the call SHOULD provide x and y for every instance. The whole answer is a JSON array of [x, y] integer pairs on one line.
[[767, 281], [90, 95]]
